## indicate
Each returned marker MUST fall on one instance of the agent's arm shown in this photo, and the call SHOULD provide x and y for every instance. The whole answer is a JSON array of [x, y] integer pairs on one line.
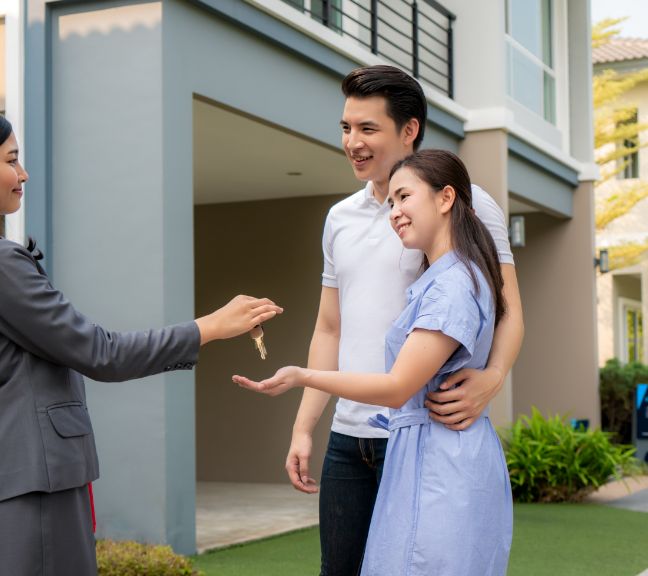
[[420, 358], [39, 319], [322, 355], [458, 408]]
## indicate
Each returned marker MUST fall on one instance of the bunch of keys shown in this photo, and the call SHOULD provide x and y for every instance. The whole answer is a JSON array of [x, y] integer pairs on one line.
[[257, 335]]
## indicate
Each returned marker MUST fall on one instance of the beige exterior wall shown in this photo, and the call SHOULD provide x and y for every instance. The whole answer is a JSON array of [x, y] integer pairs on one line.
[[557, 367], [485, 156], [264, 248]]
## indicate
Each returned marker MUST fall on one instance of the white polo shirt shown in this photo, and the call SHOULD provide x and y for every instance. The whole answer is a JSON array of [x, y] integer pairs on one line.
[[365, 260]]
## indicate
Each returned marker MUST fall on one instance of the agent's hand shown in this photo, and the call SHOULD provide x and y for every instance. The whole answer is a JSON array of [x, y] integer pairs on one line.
[[459, 407], [283, 380], [237, 317], [297, 463]]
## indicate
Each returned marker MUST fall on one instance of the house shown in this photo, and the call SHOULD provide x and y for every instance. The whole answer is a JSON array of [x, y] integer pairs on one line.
[[623, 293], [183, 151]]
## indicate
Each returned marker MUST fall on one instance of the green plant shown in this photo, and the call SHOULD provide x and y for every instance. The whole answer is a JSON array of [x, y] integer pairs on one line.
[[617, 382], [135, 559], [549, 461]]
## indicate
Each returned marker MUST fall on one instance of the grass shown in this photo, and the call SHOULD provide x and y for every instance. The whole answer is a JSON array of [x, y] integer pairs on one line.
[[549, 539]]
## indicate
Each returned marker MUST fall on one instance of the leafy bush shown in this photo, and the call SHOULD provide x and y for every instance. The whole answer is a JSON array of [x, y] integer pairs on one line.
[[616, 387], [549, 461], [135, 559]]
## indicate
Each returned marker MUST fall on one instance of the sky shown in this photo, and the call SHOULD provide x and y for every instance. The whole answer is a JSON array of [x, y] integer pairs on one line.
[[637, 24]]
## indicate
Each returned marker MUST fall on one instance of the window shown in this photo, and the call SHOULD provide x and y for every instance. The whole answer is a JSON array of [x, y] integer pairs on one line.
[[530, 58], [632, 331], [317, 8], [630, 162]]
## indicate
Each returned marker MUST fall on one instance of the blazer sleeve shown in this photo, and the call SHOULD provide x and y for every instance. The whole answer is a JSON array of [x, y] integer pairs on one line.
[[39, 319]]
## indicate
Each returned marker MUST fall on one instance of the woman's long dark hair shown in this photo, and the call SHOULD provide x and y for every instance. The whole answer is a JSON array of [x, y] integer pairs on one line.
[[471, 240], [5, 129]]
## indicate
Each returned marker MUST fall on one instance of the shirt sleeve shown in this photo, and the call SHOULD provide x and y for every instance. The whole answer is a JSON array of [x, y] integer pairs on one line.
[[492, 216], [39, 319], [329, 277], [453, 311]]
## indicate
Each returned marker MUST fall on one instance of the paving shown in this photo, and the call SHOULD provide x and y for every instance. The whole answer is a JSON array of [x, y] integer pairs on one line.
[[233, 513]]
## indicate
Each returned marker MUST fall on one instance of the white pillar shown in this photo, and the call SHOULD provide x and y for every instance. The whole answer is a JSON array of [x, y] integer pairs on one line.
[[15, 59]]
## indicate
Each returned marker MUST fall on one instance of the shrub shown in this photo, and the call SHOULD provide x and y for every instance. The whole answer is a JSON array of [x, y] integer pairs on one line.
[[550, 461], [135, 559], [616, 387]]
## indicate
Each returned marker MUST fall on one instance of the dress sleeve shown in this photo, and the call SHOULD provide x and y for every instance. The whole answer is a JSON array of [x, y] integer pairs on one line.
[[329, 277], [39, 319], [453, 311], [489, 212]]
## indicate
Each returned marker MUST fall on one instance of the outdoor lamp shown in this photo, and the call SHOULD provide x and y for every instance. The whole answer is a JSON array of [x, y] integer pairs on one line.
[[516, 231], [603, 261]]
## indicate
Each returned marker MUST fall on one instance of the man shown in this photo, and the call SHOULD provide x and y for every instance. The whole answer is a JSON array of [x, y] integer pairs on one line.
[[366, 273]]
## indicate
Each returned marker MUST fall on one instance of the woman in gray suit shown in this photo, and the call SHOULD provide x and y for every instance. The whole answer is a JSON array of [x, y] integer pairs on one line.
[[47, 449]]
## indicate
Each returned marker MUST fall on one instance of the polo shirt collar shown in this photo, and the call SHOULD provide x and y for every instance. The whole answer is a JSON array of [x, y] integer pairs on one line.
[[440, 265], [368, 197]]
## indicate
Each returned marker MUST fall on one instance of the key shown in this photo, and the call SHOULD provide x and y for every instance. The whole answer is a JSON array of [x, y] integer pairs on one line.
[[257, 335]]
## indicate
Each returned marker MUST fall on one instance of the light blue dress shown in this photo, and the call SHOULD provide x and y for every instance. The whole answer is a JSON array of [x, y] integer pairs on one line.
[[444, 507]]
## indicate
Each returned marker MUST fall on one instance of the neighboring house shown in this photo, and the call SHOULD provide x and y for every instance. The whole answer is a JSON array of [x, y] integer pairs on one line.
[[623, 293], [183, 151]]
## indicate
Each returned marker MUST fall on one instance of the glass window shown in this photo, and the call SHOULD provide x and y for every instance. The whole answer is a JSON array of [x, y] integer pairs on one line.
[[531, 78], [630, 161], [633, 336], [316, 9]]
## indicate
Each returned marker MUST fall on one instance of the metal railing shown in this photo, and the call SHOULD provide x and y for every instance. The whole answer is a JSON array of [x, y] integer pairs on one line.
[[416, 36]]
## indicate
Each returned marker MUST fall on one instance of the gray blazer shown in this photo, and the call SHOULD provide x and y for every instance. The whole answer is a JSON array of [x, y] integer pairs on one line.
[[46, 439]]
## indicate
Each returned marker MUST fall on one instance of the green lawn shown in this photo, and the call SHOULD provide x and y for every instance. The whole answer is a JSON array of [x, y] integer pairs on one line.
[[549, 539]]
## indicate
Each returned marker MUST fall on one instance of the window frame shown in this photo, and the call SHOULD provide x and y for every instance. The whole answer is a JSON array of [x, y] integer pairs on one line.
[[512, 44], [625, 305]]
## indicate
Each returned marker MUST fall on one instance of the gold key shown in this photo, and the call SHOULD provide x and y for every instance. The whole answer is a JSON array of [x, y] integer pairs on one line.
[[257, 335]]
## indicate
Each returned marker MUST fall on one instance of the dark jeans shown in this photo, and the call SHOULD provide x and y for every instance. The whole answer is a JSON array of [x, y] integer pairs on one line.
[[350, 477]]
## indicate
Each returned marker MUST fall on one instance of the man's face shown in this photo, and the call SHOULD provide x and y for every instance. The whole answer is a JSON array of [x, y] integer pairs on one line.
[[370, 138]]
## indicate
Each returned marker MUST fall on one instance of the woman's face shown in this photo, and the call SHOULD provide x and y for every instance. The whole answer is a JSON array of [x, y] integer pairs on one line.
[[12, 176], [418, 213]]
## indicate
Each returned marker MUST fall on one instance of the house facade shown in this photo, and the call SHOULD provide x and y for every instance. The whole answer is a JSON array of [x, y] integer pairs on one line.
[[183, 151], [623, 293]]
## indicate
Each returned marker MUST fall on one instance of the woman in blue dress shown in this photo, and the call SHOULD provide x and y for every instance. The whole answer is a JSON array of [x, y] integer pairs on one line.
[[444, 506]]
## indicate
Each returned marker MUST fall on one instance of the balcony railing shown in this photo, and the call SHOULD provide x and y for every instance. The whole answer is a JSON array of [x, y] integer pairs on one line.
[[415, 36]]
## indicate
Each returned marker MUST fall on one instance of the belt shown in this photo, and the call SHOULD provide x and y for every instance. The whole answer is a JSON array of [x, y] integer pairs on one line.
[[413, 417]]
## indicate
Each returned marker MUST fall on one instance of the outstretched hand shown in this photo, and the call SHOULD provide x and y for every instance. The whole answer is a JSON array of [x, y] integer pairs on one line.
[[283, 380]]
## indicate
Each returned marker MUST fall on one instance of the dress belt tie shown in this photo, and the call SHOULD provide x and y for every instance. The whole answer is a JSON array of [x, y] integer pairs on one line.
[[413, 417]]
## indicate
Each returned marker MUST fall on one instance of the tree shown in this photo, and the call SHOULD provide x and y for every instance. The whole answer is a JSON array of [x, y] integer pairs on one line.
[[616, 137]]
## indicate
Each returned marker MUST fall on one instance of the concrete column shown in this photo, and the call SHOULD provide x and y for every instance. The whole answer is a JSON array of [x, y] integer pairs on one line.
[[113, 220], [485, 155], [557, 367]]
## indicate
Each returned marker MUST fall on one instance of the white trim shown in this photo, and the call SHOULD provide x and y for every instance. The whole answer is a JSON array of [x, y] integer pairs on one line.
[[561, 66], [502, 118], [14, 65], [622, 341]]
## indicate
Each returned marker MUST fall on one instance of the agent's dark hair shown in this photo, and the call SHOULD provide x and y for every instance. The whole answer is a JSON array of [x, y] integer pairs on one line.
[[471, 240], [5, 129], [403, 94]]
